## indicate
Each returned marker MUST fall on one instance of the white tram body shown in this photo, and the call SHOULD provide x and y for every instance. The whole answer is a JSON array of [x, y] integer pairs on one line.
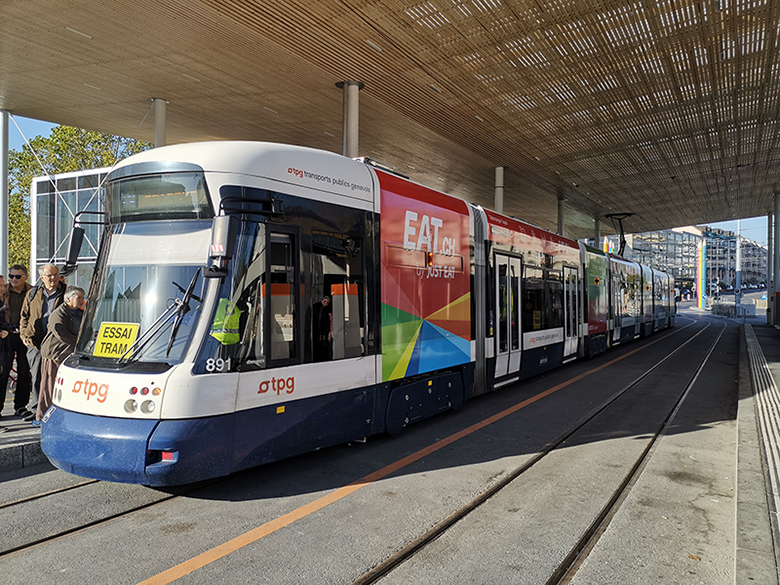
[[206, 349]]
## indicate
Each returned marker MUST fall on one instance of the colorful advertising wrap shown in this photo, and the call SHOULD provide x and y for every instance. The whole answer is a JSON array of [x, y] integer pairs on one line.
[[426, 302]]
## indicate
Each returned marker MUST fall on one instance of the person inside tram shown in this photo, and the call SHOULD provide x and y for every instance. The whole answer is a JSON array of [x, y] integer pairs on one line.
[[323, 330]]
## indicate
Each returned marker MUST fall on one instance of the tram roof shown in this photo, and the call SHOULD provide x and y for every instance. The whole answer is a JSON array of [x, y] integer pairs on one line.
[[663, 109], [240, 157]]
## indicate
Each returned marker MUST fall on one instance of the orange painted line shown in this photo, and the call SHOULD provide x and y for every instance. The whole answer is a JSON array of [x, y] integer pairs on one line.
[[256, 534]]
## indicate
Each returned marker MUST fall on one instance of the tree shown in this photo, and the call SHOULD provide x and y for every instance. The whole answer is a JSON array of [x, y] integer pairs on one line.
[[66, 149]]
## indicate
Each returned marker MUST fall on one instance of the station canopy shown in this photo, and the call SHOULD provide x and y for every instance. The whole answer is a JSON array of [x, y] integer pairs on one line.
[[666, 109]]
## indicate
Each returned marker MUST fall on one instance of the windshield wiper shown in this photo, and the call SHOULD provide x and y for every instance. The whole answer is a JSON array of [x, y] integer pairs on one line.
[[184, 308], [196, 297], [177, 310]]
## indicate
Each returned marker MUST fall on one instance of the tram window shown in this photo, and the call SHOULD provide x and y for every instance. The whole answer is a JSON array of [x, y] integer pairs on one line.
[[282, 319], [515, 307], [503, 301], [337, 273], [256, 321], [622, 293], [542, 299], [247, 300], [533, 299], [555, 289], [173, 196]]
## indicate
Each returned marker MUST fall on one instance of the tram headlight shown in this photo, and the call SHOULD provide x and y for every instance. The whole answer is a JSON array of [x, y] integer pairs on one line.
[[147, 406], [131, 406]]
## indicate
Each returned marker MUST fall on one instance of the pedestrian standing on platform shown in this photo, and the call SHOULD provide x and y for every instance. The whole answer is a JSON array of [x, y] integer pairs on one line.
[[38, 306], [5, 328], [58, 344], [17, 290]]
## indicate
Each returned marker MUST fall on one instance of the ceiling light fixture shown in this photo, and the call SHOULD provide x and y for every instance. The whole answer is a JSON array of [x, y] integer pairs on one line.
[[270, 110], [92, 86], [434, 88], [478, 118], [376, 47], [190, 77], [73, 30]]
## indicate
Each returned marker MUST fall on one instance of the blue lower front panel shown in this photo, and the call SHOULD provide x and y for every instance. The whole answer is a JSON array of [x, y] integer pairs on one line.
[[113, 449], [129, 450]]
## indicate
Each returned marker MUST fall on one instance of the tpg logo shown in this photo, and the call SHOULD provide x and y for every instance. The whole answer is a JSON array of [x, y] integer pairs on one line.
[[277, 385], [91, 389]]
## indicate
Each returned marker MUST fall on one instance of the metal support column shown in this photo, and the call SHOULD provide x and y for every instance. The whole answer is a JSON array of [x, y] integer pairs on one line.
[[350, 137], [596, 232], [498, 194], [561, 199], [776, 260], [4, 199], [770, 288], [159, 121], [738, 278]]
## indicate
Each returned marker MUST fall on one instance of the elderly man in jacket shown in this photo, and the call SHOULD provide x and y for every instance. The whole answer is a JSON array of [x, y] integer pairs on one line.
[[58, 344], [38, 306]]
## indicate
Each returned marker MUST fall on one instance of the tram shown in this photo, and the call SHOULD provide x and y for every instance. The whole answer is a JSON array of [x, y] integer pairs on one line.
[[254, 301]]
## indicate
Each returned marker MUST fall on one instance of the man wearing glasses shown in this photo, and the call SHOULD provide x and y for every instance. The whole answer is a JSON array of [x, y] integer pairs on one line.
[[39, 303], [17, 290]]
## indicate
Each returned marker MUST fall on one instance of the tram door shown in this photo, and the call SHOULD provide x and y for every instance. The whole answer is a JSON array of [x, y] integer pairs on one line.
[[571, 292], [508, 340]]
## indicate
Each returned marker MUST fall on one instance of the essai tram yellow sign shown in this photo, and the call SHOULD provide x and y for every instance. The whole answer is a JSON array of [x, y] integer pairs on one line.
[[114, 338]]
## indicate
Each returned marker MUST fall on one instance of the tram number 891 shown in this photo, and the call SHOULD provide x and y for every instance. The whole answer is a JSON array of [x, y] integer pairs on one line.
[[217, 365]]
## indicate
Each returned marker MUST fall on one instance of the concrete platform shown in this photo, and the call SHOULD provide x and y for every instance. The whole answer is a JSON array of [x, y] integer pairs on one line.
[[20, 444]]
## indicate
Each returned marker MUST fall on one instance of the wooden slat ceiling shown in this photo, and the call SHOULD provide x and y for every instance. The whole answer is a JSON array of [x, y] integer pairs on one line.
[[666, 109]]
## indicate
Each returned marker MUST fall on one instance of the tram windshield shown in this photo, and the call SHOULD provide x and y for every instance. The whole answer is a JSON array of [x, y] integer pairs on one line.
[[172, 196], [148, 296]]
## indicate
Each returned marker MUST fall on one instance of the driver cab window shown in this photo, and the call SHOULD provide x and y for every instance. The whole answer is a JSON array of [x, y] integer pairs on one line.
[[255, 324]]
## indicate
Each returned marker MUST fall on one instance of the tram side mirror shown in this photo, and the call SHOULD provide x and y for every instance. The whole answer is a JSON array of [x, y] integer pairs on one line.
[[223, 240], [74, 248]]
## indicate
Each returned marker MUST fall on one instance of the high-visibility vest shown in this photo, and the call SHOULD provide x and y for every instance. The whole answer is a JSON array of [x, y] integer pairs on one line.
[[226, 322]]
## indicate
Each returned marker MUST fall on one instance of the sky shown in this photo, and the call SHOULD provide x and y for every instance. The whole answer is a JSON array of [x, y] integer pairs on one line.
[[752, 228], [31, 129]]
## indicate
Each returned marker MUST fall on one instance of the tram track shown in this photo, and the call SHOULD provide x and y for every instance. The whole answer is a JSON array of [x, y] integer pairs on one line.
[[571, 562], [125, 513], [42, 495], [76, 529], [568, 568]]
